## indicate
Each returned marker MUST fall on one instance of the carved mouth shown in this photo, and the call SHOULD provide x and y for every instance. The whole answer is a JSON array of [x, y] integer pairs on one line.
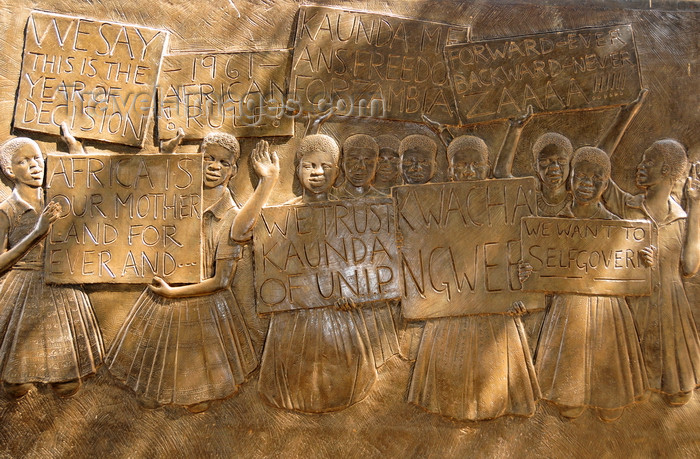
[[317, 181]]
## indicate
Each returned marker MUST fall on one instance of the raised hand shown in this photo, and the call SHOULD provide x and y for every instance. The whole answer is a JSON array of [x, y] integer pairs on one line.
[[517, 309], [434, 125], [648, 256], [50, 214], [162, 288], [169, 146], [74, 146], [345, 304], [315, 120], [265, 164], [692, 185], [524, 271], [636, 104], [521, 121]]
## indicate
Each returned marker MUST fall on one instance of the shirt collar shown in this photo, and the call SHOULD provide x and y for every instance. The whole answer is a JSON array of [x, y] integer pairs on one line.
[[675, 211], [222, 206], [21, 205]]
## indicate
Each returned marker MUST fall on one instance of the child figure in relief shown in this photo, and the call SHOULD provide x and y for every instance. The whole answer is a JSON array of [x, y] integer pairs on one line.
[[475, 367], [188, 345], [388, 171], [320, 359], [360, 156], [588, 354], [48, 333], [667, 329]]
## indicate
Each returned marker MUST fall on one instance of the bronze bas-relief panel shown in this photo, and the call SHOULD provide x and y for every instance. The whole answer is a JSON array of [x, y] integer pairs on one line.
[[469, 225]]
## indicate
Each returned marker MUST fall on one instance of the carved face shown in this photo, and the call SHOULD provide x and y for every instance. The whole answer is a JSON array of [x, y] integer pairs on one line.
[[468, 164], [552, 166], [417, 166], [27, 166], [317, 171], [651, 169], [359, 164], [218, 166], [388, 165], [588, 182]]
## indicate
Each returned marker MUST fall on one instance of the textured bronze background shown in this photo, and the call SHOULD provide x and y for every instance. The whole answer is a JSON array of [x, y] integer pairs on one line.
[[105, 418]]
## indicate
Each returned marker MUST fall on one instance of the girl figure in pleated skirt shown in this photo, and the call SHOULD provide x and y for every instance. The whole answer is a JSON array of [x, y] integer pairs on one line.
[[588, 354], [48, 333], [475, 367], [320, 359], [188, 345]]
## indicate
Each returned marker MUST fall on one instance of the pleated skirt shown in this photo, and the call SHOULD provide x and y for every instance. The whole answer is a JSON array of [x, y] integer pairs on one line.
[[185, 350], [669, 339], [317, 360], [49, 332], [589, 353], [381, 329], [474, 368]]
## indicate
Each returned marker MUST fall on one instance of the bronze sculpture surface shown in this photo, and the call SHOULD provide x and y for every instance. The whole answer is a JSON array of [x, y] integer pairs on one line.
[[369, 229]]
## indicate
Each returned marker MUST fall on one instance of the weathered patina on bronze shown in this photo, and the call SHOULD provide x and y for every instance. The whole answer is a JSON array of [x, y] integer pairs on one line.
[[472, 228]]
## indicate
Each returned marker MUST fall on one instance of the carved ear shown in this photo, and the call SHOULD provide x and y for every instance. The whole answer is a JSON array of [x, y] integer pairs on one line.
[[8, 172]]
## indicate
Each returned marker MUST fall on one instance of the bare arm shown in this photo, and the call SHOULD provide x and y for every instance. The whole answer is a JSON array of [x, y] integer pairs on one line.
[[314, 124], [506, 155], [169, 146], [225, 269], [690, 258], [74, 146], [440, 129], [267, 167], [613, 135], [9, 257]]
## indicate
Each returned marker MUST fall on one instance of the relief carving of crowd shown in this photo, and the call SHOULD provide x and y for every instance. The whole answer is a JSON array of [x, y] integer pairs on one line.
[[190, 345]]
